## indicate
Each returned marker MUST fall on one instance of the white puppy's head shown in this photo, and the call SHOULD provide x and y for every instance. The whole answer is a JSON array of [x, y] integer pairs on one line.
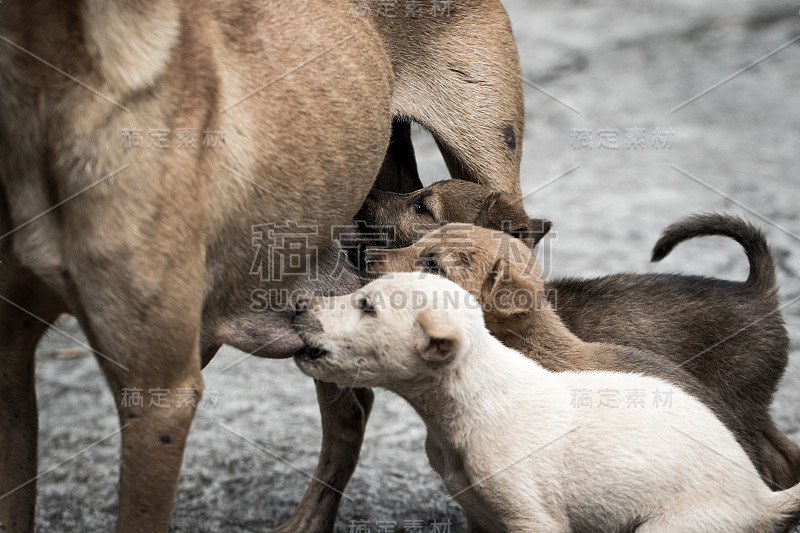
[[398, 330]]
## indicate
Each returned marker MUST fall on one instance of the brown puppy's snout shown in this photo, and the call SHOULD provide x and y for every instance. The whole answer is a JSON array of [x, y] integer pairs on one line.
[[367, 212]]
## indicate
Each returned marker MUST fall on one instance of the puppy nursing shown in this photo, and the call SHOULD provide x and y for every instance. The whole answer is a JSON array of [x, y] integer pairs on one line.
[[675, 316], [489, 416], [511, 446], [396, 220]]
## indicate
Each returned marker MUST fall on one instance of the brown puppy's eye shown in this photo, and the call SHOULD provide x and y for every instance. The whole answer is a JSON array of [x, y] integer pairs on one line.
[[366, 306], [520, 233], [419, 208], [429, 264]]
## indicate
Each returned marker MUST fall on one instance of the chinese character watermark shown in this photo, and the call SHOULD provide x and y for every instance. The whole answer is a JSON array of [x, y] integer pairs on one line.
[[284, 250], [159, 138], [610, 398], [394, 8], [390, 526], [160, 397], [609, 139]]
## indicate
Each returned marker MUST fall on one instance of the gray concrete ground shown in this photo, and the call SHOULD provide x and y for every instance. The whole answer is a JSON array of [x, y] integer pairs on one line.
[[614, 64]]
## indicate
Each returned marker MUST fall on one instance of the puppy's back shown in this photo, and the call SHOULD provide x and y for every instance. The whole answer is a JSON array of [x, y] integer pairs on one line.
[[720, 331], [628, 360]]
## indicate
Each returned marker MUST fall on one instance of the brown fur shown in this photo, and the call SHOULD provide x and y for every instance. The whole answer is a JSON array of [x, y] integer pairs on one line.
[[680, 318], [155, 260]]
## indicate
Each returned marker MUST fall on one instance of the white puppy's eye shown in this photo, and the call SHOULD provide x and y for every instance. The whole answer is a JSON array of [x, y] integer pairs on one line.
[[365, 305], [429, 264]]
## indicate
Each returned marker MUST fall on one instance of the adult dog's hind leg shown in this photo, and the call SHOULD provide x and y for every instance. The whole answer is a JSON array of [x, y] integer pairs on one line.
[[25, 310], [344, 420]]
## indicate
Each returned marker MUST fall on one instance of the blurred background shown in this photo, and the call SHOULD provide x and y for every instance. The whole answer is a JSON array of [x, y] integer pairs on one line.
[[703, 95]]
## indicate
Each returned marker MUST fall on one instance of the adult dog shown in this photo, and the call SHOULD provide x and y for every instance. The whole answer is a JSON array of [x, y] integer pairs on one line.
[[111, 211]]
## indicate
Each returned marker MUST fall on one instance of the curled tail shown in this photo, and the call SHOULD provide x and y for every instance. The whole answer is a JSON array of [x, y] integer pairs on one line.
[[752, 239]]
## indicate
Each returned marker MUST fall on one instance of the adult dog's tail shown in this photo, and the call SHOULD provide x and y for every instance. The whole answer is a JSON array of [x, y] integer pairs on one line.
[[762, 264]]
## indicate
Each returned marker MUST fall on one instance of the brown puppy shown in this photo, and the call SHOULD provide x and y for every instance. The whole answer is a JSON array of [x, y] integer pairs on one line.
[[141, 142], [688, 319], [397, 220], [392, 220]]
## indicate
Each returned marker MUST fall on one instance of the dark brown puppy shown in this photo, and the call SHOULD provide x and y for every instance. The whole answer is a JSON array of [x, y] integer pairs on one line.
[[728, 335], [398, 220], [392, 220]]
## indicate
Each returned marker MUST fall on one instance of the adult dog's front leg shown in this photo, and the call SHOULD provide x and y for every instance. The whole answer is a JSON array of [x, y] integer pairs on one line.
[[24, 312], [153, 441], [344, 420], [144, 327], [156, 394]]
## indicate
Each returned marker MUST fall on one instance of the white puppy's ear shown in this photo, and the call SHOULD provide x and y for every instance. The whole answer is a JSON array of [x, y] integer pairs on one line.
[[439, 337]]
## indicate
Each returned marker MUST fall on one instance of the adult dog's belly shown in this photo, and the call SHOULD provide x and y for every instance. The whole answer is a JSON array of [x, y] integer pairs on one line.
[[302, 150]]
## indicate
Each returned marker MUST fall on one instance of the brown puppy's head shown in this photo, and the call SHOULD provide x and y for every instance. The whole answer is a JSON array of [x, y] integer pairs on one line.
[[397, 220], [499, 270]]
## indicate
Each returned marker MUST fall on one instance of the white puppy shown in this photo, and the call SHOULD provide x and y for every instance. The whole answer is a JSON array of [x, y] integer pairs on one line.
[[508, 438]]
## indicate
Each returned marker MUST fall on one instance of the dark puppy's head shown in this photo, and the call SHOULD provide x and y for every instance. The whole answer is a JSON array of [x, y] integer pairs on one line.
[[392, 220]]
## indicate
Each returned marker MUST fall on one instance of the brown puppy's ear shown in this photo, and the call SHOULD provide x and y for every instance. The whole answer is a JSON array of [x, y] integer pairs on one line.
[[502, 211], [440, 337], [504, 295], [539, 228]]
